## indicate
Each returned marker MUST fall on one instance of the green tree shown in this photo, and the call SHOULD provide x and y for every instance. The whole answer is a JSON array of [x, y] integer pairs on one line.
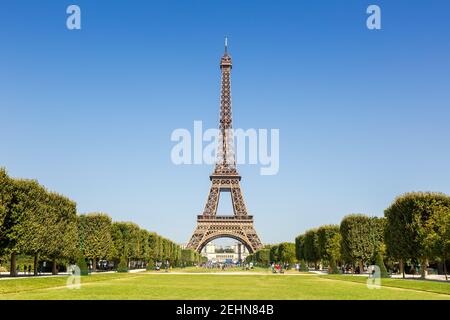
[[159, 248], [118, 244], [300, 247], [436, 237], [262, 256], [334, 249], [286, 252], [62, 230], [188, 257], [165, 245], [95, 236], [311, 247], [123, 265], [26, 224], [143, 247], [177, 255], [173, 253], [328, 240], [303, 266], [132, 242], [125, 238], [36, 222], [6, 195], [274, 253], [153, 244], [408, 224], [360, 240], [377, 229]]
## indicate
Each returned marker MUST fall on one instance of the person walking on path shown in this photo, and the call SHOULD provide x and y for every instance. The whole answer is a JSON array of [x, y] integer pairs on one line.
[[167, 265]]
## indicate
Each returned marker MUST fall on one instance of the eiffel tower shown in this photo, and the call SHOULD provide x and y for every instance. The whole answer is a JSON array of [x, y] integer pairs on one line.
[[225, 178]]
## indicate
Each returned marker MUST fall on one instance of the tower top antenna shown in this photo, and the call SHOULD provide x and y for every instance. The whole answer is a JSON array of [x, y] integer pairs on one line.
[[226, 44]]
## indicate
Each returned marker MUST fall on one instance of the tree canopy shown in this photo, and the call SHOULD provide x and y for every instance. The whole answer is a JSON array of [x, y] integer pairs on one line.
[[416, 226], [286, 252], [362, 238], [329, 243], [95, 235], [311, 246]]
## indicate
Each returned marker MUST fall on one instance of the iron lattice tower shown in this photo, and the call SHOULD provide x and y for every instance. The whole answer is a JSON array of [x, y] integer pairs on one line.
[[225, 178]]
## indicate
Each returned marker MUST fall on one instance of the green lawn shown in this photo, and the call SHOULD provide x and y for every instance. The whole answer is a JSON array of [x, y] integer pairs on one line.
[[149, 285]]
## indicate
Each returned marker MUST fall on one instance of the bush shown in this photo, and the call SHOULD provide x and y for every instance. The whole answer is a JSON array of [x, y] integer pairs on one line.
[[380, 263], [83, 266], [303, 266], [122, 267]]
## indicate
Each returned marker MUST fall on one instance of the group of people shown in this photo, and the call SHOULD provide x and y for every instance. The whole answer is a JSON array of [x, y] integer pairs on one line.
[[278, 267], [158, 265], [248, 266], [217, 265]]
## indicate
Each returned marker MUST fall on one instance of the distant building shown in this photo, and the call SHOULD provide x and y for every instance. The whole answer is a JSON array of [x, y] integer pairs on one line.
[[230, 254]]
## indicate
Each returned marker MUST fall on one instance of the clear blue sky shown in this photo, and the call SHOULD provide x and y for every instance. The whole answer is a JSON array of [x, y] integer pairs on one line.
[[363, 115]]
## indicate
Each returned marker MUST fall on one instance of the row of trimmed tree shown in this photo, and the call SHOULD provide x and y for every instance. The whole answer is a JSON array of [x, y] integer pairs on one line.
[[45, 225], [415, 230], [357, 240], [280, 253], [102, 239]]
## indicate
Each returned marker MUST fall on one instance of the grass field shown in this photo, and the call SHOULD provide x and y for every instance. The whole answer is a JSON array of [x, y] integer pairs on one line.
[[252, 285]]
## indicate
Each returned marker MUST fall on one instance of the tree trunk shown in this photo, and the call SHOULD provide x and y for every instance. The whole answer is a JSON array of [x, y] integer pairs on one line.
[[423, 269], [12, 271], [361, 266], [54, 270], [402, 268], [94, 265], [445, 269], [35, 266]]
